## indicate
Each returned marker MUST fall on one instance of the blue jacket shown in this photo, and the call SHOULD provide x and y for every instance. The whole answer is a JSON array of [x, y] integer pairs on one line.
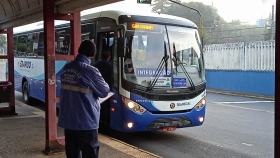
[[81, 86]]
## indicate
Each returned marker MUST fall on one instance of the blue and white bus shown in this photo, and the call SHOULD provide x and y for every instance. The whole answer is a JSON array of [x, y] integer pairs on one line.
[[157, 67]]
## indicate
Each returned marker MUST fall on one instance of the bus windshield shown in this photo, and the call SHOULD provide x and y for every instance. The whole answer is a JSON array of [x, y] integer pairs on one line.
[[186, 55], [145, 50]]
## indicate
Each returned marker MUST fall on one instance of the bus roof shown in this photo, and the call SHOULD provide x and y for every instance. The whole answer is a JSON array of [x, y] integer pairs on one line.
[[38, 26], [114, 14]]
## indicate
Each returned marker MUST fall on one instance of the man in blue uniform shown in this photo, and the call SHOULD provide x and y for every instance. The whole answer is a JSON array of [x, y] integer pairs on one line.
[[81, 86]]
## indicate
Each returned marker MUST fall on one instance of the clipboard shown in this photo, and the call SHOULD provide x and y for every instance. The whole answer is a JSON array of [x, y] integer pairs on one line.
[[101, 100]]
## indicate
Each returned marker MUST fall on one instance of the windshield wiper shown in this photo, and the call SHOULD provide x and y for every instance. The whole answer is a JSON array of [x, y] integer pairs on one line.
[[159, 69], [178, 62]]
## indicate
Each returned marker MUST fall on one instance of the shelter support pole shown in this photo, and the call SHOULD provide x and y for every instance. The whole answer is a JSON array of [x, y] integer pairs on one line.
[[75, 33], [10, 110], [75, 26], [10, 40], [52, 144], [277, 83]]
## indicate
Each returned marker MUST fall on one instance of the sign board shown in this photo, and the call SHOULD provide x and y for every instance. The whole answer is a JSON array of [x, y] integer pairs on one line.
[[144, 27]]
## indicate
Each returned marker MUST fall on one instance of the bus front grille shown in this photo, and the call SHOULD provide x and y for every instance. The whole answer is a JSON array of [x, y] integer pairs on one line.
[[170, 121]]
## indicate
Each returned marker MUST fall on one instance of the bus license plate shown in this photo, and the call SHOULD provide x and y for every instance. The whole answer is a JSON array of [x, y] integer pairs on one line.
[[168, 129]]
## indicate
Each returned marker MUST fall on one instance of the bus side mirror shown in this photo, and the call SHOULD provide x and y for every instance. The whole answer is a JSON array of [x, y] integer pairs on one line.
[[120, 39]]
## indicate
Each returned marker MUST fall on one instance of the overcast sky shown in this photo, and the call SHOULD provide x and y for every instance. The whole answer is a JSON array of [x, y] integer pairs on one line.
[[245, 10]]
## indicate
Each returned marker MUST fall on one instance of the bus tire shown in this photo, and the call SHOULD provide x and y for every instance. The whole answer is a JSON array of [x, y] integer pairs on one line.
[[25, 93]]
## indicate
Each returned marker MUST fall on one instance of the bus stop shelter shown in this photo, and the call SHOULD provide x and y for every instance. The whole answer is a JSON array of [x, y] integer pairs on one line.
[[15, 13]]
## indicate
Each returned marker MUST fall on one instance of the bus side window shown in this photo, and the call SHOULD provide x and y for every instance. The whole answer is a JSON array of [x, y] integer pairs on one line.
[[62, 41], [41, 44], [88, 31], [88, 36], [15, 46], [32, 44], [66, 45], [85, 37], [21, 46]]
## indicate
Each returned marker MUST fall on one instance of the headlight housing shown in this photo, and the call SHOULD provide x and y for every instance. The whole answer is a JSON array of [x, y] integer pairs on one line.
[[133, 106], [200, 104]]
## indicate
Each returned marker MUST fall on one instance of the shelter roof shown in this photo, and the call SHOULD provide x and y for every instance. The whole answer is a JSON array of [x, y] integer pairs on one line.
[[15, 13]]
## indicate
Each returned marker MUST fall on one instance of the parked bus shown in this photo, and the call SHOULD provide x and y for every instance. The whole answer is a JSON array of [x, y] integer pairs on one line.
[[158, 73]]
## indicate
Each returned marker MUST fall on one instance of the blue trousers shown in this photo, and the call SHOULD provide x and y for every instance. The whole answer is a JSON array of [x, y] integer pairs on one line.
[[81, 143]]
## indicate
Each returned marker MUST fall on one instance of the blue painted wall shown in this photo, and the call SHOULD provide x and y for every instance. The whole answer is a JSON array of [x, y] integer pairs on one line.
[[253, 82]]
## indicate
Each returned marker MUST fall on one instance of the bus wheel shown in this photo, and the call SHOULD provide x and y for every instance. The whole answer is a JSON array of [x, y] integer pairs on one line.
[[25, 93]]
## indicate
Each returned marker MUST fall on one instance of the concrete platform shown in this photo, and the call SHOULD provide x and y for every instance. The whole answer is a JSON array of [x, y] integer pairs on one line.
[[23, 136]]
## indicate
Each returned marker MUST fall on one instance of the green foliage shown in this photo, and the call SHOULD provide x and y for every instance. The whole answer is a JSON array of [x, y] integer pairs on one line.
[[209, 13], [161, 5], [3, 40], [21, 47], [234, 32], [269, 29]]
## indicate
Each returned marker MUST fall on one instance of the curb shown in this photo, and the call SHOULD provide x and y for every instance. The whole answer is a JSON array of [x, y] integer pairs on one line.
[[240, 94], [126, 148]]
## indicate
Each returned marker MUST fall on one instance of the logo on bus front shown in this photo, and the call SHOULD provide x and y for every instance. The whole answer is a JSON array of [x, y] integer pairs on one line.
[[172, 105], [25, 64]]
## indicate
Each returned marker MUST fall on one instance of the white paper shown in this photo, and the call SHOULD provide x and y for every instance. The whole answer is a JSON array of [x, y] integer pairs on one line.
[[101, 100]]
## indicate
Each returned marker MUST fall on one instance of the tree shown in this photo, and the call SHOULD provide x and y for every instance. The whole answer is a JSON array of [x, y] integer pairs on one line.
[[216, 29], [269, 28], [209, 13], [3, 40], [235, 31], [162, 5]]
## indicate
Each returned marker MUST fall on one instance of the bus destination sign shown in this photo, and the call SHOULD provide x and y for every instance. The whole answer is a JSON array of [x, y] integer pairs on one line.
[[144, 27]]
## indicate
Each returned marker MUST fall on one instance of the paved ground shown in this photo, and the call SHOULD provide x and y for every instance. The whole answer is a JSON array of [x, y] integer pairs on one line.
[[23, 136]]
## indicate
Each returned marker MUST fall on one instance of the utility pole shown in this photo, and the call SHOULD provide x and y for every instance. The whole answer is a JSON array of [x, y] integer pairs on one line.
[[272, 23]]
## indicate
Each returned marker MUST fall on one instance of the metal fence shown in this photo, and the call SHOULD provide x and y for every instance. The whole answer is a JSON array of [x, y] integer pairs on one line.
[[245, 56]]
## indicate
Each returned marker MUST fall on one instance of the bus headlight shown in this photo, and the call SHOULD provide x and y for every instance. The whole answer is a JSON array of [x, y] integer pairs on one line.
[[130, 124], [200, 104], [133, 106]]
